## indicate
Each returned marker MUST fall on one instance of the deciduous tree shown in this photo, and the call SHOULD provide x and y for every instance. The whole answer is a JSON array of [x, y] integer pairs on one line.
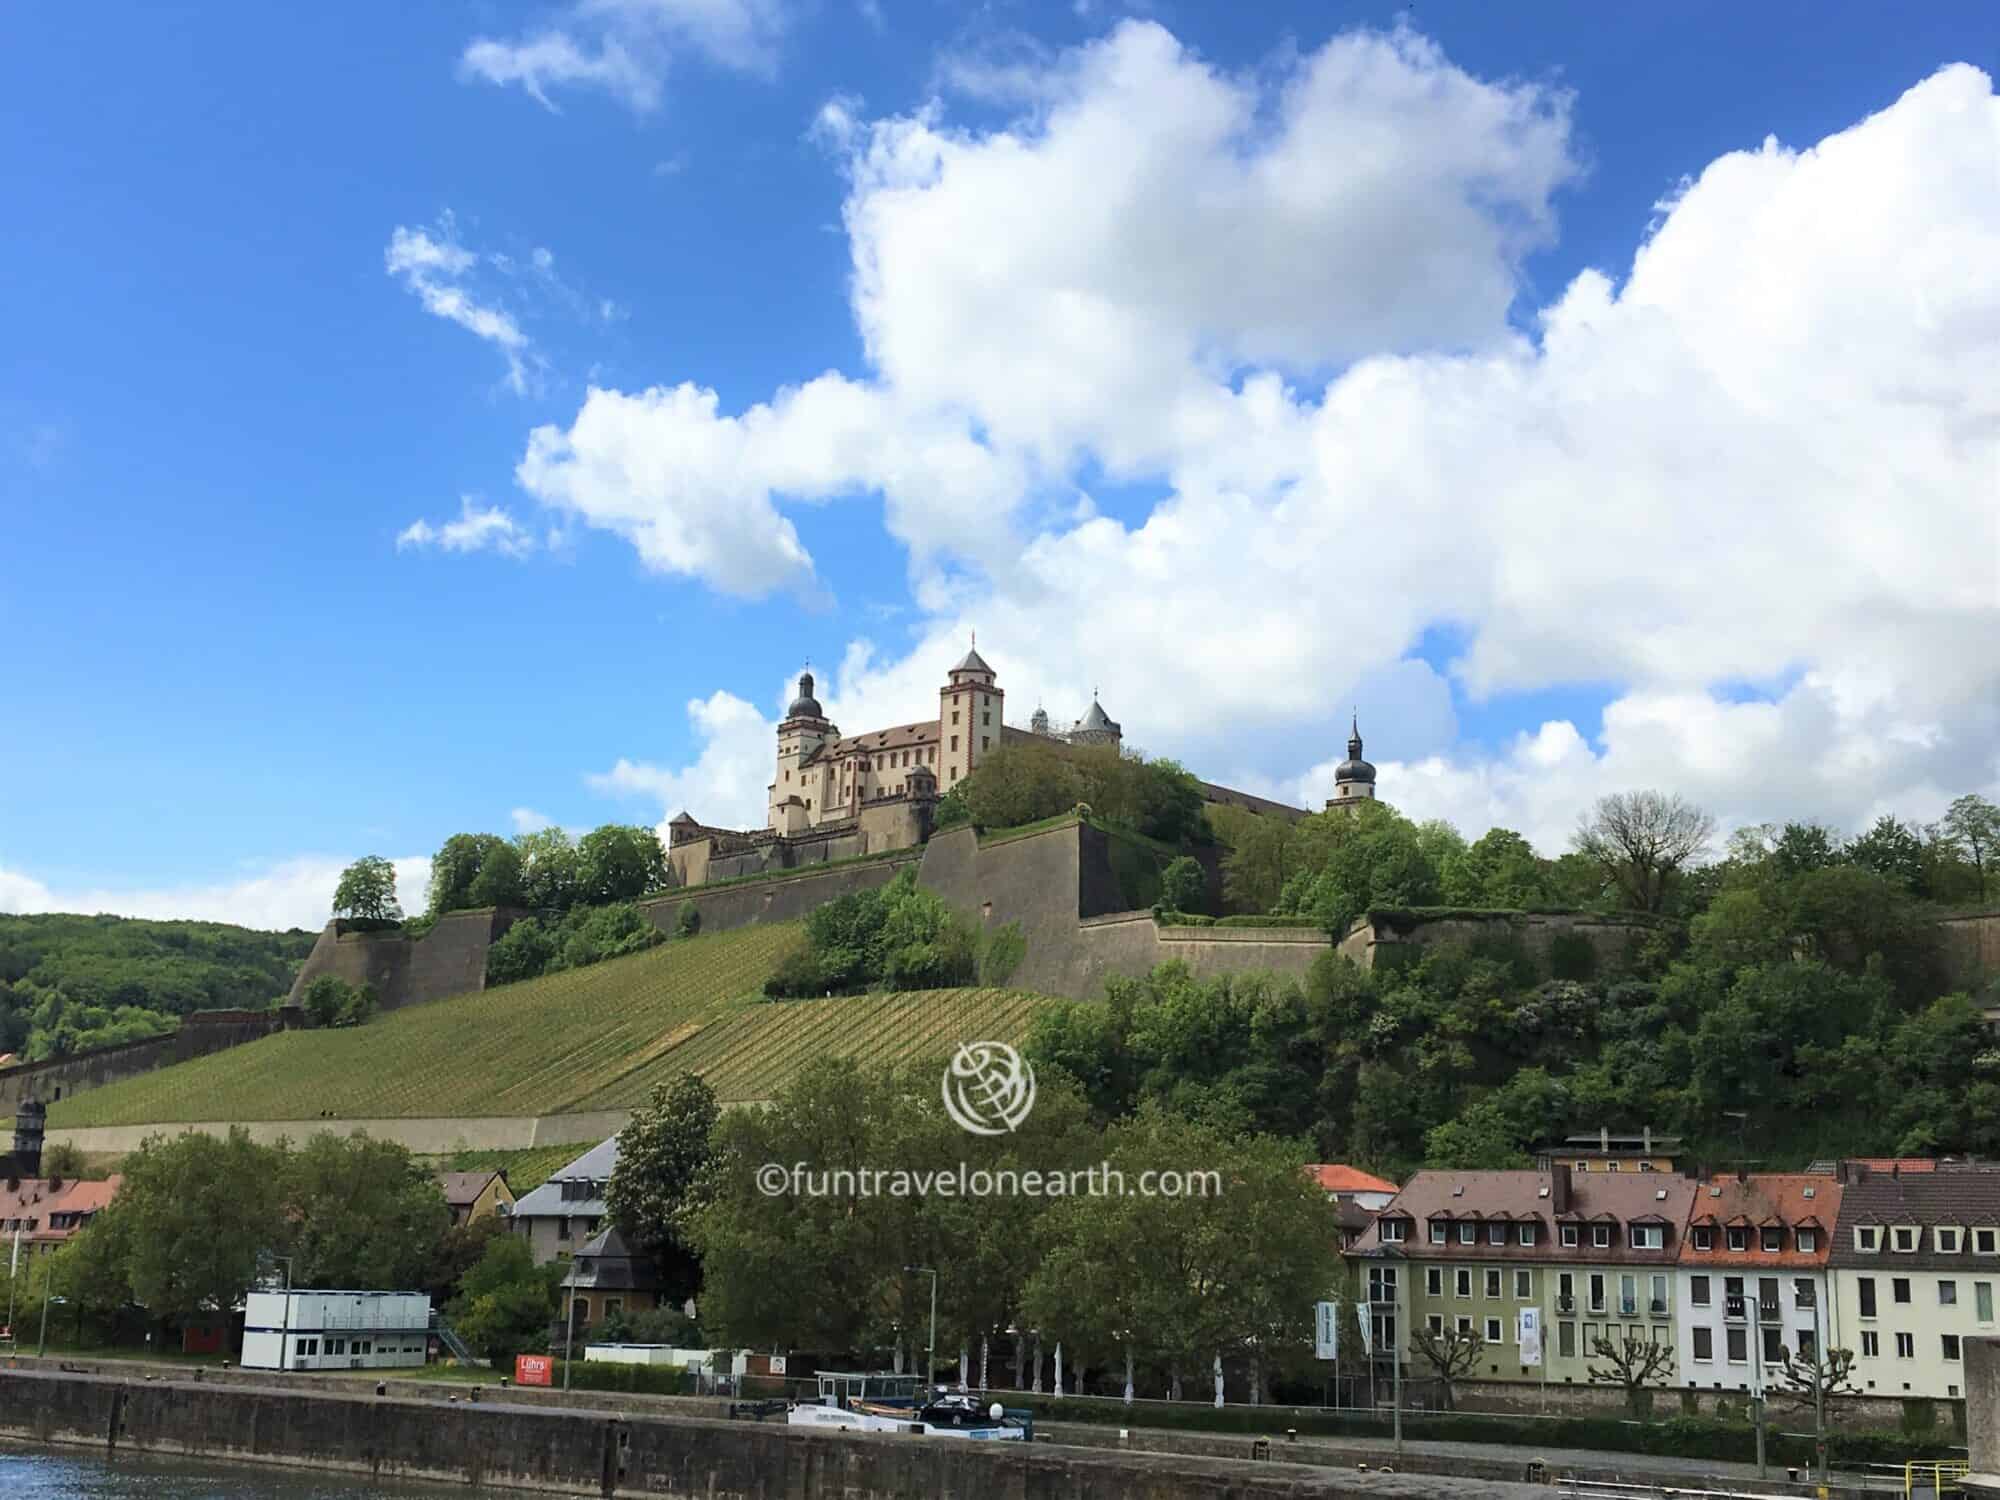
[[1972, 825], [363, 1213], [367, 890], [194, 1213], [1452, 1352], [664, 1153], [1635, 1364], [1642, 840]]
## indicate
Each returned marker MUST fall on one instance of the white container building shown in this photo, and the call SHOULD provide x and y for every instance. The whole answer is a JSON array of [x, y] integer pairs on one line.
[[335, 1330]]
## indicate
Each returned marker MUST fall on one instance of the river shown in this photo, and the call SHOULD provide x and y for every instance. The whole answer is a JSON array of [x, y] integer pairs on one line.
[[74, 1474]]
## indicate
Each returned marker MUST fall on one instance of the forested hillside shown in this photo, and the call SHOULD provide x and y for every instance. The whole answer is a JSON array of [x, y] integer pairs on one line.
[[70, 983]]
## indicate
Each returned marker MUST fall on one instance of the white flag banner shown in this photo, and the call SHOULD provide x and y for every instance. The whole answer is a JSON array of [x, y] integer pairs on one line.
[[14, 1263], [1326, 1330], [1529, 1335]]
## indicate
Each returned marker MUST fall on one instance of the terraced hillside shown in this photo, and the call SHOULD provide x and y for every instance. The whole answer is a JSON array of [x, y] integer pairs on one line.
[[751, 1053], [537, 1048]]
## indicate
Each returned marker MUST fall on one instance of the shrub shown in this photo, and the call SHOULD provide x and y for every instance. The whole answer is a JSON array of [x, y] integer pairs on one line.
[[331, 1001], [1002, 953], [1267, 919], [521, 952], [1572, 956], [1184, 885], [687, 922]]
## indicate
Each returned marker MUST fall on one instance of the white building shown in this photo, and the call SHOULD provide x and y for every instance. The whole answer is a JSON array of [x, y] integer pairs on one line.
[[1916, 1271], [564, 1213], [1753, 1278], [335, 1330]]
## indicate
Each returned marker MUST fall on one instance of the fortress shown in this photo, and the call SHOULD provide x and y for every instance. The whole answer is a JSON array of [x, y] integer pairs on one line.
[[836, 797]]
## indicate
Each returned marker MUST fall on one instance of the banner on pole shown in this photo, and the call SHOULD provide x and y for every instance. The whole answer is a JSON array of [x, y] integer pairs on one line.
[[1529, 1335], [1326, 1330]]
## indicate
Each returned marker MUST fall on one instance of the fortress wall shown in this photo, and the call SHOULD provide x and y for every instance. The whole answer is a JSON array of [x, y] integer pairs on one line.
[[431, 1136], [1611, 938], [199, 1034], [1971, 948], [780, 899], [448, 960]]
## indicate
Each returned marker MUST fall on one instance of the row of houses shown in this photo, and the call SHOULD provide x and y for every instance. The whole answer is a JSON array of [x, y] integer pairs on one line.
[[1897, 1262]]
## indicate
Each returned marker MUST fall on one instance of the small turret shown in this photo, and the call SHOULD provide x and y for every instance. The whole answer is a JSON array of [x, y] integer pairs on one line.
[[1353, 778]]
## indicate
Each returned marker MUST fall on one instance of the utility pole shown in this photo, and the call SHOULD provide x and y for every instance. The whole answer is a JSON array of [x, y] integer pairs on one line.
[[569, 1325], [48, 1272], [1756, 1322], [930, 1350], [1820, 1367]]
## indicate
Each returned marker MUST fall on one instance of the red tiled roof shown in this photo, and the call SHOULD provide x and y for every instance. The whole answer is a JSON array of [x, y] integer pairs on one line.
[[1787, 1200], [1337, 1177]]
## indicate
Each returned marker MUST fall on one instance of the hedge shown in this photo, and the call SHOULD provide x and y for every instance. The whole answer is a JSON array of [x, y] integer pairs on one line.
[[604, 1375], [1675, 1437]]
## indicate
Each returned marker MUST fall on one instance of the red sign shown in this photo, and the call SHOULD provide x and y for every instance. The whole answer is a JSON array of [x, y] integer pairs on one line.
[[533, 1369]]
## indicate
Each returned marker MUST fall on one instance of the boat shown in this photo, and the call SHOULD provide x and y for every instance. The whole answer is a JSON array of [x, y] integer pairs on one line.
[[879, 1402]]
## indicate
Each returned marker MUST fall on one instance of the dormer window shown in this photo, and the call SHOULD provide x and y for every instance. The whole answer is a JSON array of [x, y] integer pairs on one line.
[[1569, 1236], [1773, 1241], [1392, 1231], [1468, 1234], [1949, 1241], [1867, 1238], [1648, 1236], [1600, 1236], [1496, 1234], [1903, 1239], [1985, 1242], [1704, 1239], [1527, 1234], [1739, 1239], [1808, 1242], [1437, 1231]]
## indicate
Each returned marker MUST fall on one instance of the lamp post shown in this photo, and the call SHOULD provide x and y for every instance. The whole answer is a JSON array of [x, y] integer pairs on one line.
[[930, 1351], [48, 1273]]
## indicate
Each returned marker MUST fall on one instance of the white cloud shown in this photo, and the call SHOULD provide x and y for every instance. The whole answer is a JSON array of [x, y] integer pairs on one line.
[[527, 820], [434, 271], [727, 783], [478, 528], [1765, 453], [292, 893], [626, 47]]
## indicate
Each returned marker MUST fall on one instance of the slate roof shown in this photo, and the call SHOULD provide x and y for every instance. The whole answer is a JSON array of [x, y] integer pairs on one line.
[[595, 1165], [1618, 1198], [608, 1264], [973, 662], [1968, 1200]]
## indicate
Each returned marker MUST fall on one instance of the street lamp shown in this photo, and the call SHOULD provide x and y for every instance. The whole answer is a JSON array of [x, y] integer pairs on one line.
[[930, 1353]]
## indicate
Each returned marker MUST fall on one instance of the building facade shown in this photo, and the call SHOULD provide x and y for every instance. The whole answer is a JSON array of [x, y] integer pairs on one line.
[[1915, 1268], [475, 1195], [1592, 1258], [563, 1214], [335, 1330], [1753, 1278]]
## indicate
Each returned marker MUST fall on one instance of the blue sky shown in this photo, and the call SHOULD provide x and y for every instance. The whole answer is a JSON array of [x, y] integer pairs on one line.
[[282, 284]]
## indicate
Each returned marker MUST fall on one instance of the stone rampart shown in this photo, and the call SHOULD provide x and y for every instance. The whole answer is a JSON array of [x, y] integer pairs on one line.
[[448, 960], [1384, 936], [1970, 946], [509, 1445], [199, 1034], [425, 1135], [782, 898]]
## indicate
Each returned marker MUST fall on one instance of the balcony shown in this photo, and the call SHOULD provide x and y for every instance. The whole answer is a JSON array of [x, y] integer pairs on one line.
[[1566, 1305], [1628, 1307], [1770, 1312], [1805, 1299], [1657, 1307], [1732, 1307]]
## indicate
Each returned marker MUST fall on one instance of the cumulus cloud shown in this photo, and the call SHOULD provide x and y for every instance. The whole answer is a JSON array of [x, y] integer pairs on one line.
[[625, 47], [726, 784], [1741, 488], [434, 269], [477, 529], [292, 893]]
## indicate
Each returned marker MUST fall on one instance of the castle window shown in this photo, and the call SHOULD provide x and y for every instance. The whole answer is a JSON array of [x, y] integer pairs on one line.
[[954, 744], [986, 718], [984, 742], [954, 716]]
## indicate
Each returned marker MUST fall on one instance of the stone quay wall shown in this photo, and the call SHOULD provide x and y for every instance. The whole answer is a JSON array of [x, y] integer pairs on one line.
[[506, 1445]]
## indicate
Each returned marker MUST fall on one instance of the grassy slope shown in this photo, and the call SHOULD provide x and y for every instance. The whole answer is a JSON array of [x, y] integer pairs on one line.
[[750, 1054], [535, 1048]]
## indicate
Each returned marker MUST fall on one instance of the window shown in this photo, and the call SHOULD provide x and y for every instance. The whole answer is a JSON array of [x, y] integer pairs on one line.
[[1611, 1166], [1774, 1346], [1468, 1234], [1899, 1289], [1807, 1241], [1496, 1234], [1600, 1236], [1392, 1231], [954, 716], [1463, 1283], [1492, 1283], [1434, 1281], [1569, 1236], [1435, 1323], [1704, 1239], [1527, 1234], [1698, 1290], [1772, 1241], [954, 742], [1464, 1323], [1596, 1293], [985, 718], [1807, 1344], [1565, 1291], [1947, 1294], [1590, 1338], [1628, 1295], [985, 741], [1648, 1236], [1871, 1344], [1739, 1239], [1865, 1286], [1739, 1345], [1803, 1295], [1906, 1346], [1566, 1340], [1437, 1231], [1658, 1300], [1493, 1331], [1524, 1284], [1867, 1237], [1903, 1239], [1986, 1242], [1982, 1301], [1950, 1344], [1949, 1241], [1704, 1344]]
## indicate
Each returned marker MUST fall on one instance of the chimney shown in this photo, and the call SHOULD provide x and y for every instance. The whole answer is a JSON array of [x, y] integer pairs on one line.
[[29, 1119], [1604, 1139], [1559, 1189]]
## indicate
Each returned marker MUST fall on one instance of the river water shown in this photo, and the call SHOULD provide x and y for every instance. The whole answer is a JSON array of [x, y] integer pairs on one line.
[[73, 1474]]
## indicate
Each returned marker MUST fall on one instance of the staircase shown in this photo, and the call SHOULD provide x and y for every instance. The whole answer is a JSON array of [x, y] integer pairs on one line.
[[458, 1348]]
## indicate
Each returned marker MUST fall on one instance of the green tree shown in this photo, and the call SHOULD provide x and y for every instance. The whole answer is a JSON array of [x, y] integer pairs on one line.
[[1804, 847], [523, 951], [194, 1213], [455, 868], [501, 878], [1499, 869], [1184, 885], [1636, 1364], [363, 1213], [551, 872], [1642, 841], [331, 1001], [1892, 850], [1971, 825], [367, 890], [1262, 855], [619, 863], [506, 1302], [687, 921], [664, 1153], [1452, 1353]]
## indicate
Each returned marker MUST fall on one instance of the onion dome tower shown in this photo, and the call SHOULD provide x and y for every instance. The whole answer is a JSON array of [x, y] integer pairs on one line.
[[1353, 778]]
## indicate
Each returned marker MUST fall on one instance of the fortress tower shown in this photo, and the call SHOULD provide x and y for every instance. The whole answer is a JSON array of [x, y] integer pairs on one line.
[[799, 793], [1353, 778], [969, 717]]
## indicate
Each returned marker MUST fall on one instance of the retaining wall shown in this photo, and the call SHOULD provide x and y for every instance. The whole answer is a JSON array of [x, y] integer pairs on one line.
[[505, 1445], [448, 960], [1970, 946], [427, 1137], [199, 1034], [1382, 935]]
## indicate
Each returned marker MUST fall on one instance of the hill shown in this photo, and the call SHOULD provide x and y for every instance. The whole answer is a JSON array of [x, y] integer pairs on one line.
[[538, 1047], [69, 983], [596, 1038]]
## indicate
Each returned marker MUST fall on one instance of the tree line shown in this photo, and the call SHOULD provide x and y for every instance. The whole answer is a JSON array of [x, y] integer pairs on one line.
[[1027, 780]]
